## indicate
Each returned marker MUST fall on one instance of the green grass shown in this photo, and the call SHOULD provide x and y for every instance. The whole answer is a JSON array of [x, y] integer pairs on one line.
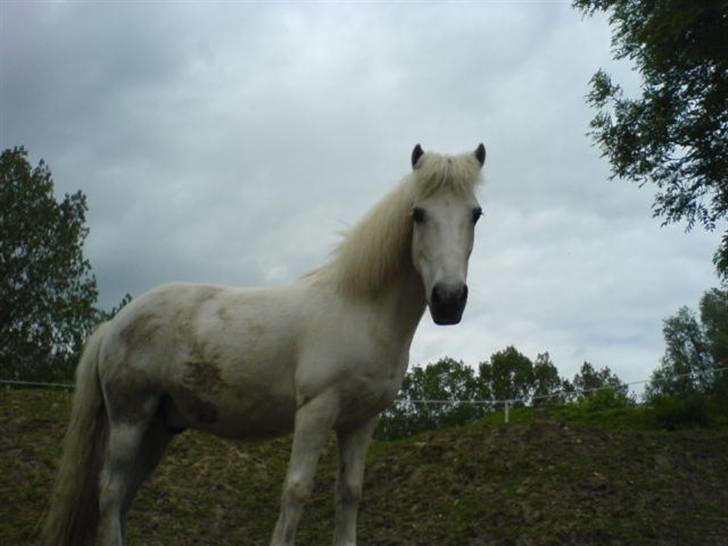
[[671, 416], [564, 478]]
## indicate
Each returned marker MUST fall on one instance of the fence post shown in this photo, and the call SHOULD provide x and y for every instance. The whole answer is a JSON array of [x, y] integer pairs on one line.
[[507, 411]]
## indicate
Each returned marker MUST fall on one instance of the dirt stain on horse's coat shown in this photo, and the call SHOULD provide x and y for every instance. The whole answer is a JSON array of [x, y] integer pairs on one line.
[[202, 376], [140, 331], [200, 379], [223, 313]]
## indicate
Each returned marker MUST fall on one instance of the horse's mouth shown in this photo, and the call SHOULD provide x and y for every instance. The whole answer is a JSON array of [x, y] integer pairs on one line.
[[446, 318]]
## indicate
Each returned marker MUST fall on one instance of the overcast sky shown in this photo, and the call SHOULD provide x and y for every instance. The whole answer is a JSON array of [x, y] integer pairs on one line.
[[232, 142]]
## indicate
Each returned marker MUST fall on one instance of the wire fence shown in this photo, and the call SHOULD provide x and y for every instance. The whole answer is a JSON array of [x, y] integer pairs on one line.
[[36, 384], [563, 392], [506, 403]]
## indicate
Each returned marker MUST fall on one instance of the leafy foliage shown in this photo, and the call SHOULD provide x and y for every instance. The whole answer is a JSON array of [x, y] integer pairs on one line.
[[714, 319], [546, 382], [442, 394], [446, 383], [600, 389], [674, 413], [47, 290], [676, 134], [508, 375], [108, 315], [694, 348], [686, 360]]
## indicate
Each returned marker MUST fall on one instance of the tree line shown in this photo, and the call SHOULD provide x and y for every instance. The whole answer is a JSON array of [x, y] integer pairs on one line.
[[691, 381], [449, 392]]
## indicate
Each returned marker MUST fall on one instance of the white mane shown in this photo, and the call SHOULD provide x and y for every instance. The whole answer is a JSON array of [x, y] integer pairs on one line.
[[377, 248]]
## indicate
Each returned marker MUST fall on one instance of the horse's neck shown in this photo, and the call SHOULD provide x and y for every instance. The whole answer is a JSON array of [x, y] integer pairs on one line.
[[403, 302]]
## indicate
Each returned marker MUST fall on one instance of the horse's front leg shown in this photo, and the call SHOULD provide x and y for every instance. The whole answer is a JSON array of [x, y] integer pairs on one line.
[[313, 424], [352, 454]]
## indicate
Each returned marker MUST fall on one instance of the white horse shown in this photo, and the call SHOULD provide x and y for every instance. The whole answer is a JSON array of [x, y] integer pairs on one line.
[[327, 352]]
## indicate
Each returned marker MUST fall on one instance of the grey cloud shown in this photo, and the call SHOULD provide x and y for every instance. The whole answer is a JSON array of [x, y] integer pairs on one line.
[[230, 143]]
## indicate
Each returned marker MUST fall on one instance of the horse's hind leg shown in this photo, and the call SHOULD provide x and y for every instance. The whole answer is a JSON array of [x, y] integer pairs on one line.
[[133, 452], [117, 477], [155, 441]]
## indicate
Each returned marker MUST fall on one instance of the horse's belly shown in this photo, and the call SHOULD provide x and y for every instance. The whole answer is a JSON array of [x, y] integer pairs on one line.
[[242, 392], [258, 420], [245, 412]]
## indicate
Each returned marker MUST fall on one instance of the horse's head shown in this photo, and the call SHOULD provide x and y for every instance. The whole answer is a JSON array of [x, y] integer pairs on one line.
[[444, 215]]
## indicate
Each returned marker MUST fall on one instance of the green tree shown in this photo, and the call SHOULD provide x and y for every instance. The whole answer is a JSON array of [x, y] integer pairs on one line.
[[47, 290], [687, 358], [600, 389], [508, 375], [693, 349], [108, 315], [548, 387], [675, 135], [714, 318], [446, 383]]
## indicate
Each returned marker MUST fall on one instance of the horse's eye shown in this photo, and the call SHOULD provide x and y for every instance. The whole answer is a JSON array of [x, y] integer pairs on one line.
[[418, 215], [477, 213]]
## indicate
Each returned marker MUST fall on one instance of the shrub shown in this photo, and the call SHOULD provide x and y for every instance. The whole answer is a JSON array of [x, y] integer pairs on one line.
[[674, 413]]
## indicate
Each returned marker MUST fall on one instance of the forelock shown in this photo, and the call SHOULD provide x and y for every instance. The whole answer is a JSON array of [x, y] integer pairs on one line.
[[437, 172]]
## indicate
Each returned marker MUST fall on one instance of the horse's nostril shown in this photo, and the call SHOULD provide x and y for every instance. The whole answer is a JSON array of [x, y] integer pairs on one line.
[[447, 295], [437, 294], [464, 294]]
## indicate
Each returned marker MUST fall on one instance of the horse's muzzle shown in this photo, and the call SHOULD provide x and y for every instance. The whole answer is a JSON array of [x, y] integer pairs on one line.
[[447, 302]]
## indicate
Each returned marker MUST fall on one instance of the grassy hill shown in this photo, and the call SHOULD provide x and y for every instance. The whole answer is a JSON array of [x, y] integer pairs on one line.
[[554, 481]]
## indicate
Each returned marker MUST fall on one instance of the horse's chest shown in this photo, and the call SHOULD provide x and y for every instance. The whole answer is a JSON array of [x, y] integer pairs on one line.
[[360, 360], [369, 387]]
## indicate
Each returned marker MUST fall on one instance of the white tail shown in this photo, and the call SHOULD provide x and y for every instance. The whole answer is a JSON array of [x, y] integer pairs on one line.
[[74, 511]]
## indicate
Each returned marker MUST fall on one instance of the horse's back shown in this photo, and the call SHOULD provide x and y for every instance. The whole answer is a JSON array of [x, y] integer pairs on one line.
[[209, 357]]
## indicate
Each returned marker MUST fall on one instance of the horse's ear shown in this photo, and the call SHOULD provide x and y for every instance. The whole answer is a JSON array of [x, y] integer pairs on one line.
[[416, 155], [480, 154]]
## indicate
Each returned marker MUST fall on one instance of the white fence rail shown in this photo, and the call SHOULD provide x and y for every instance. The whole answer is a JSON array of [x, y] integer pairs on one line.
[[36, 384]]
